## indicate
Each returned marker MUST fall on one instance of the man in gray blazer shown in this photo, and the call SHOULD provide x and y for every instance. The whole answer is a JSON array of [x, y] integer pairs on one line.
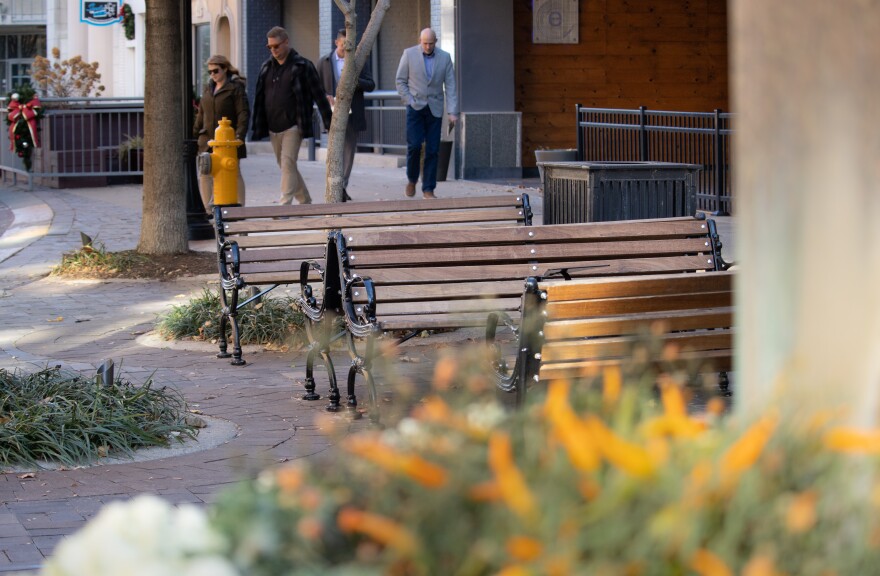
[[423, 73], [329, 71]]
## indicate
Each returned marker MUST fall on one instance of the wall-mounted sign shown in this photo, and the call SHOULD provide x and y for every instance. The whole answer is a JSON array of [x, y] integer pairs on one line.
[[100, 13], [555, 22]]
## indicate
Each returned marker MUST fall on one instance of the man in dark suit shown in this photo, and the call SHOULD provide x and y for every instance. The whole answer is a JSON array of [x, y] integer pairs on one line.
[[330, 70]]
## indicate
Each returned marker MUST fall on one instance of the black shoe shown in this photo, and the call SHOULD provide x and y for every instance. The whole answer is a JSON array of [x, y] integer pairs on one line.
[[345, 196]]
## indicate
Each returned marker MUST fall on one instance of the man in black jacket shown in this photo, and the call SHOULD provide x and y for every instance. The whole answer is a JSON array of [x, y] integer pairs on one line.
[[330, 70], [287, 88]]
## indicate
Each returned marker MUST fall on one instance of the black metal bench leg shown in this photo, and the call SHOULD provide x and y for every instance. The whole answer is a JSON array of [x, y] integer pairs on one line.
[[310, 394], [237, 360], [222, 340], [352, 403], [724, 384]]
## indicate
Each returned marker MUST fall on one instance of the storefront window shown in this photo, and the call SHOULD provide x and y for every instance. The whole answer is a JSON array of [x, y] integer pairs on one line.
[[202, 37]]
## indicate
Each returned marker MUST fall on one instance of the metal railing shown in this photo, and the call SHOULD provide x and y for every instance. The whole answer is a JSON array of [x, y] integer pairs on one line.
[[642, 135], [386, 122], [84, 139], [99, 139]]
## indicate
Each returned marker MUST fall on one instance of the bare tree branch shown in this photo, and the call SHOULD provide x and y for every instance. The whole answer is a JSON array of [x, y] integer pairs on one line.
[[346, 88]]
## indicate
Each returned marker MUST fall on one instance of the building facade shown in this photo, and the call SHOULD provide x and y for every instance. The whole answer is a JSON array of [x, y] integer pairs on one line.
[[521, 65]]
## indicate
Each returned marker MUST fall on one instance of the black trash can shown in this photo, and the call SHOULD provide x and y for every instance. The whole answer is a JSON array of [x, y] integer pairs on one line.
[[605, 191]]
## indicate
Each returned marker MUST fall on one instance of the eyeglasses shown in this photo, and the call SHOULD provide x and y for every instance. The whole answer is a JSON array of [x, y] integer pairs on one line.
[[275, 46], [213, 71]]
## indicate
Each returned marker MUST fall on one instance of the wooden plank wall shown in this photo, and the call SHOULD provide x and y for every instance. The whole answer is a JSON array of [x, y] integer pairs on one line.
[[663, 54]]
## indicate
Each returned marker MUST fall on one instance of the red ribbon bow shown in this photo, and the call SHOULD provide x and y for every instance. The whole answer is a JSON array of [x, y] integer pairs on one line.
[[27, 112]]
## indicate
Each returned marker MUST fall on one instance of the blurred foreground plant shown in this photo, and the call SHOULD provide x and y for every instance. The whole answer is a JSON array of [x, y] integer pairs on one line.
[[590, 478]]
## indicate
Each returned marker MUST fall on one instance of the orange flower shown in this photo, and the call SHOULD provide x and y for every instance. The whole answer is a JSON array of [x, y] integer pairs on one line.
[[523, 548], [801, 513], [485, 492], [627, 456], [675, 421], [716, 406], [853, 441], [309, 528], [589, 489], [706, 563], [760, 565], [514, 570], [432, 409], [379, 528], [289, 478], [510, 481], [444, 373], [372, 449], [743, 454], [611, 384], [569, 430]]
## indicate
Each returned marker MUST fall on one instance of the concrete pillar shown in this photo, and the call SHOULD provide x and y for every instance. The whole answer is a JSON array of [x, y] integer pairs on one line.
[[807, 204], [77, 33]]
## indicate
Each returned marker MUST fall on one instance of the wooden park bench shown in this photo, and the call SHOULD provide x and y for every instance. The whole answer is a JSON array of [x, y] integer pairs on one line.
[[403, 282], [264, 247], [571, 330]]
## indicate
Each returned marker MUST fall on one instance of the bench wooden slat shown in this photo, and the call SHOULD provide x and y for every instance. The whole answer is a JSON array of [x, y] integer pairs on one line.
[[712, 360], [634, 323], [488, 252], [231, 214], [621, 347], [598, 231], [457, 290], [431, 307], [523, 270], [377, 220], [275, 240], [636, 304], [623, 287], [420, 322]]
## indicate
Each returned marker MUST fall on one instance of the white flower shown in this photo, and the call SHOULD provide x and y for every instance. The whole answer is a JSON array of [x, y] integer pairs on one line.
[[486, 416], [145, 536]]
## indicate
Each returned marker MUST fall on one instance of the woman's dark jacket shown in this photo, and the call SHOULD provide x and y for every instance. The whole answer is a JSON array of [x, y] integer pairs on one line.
[[230, 102], [307, 90]]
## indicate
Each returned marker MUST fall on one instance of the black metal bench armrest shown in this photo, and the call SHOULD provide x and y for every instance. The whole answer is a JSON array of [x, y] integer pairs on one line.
[[360, 318], [230, 280], [720, 263], [307, 301]]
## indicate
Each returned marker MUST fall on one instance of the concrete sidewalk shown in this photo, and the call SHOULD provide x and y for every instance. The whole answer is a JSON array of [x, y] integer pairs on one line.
[[256, 419]]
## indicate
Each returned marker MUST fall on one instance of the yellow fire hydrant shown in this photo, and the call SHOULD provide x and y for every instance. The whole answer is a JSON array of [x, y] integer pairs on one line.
[[224, 163]]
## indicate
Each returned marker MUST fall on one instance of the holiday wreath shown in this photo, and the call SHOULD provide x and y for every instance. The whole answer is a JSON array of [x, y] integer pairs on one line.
[[22, 116]]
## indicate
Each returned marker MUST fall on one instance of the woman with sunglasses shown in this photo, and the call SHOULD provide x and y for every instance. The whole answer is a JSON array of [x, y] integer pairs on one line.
[[225, 95]]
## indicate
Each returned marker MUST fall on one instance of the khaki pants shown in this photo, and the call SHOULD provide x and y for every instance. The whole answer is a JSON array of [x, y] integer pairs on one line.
[[286, 146], [206, 191]]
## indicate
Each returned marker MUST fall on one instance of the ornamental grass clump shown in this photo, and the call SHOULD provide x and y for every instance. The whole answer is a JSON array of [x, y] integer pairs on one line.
[[273, 321], [601, 479], [54, 416], [92, 259]]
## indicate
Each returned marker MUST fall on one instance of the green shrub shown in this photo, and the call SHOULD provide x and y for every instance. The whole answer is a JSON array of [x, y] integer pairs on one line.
[[56, 416], [94, 260], [274, 321]]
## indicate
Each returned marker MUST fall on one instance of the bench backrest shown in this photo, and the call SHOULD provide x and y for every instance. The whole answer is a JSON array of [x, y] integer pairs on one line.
[[273, 241], [448, 278], [580, 326]]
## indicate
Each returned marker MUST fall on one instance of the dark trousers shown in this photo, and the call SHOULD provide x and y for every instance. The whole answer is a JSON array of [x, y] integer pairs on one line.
[[422, 126]]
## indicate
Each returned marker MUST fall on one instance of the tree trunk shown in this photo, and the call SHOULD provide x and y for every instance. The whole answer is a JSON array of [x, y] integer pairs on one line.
[[163, 224], [345, 89], [808, 297]]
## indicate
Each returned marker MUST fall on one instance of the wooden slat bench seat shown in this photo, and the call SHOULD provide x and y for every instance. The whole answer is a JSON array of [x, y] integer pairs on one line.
[[271, 246], [570, 330], [413, 280]]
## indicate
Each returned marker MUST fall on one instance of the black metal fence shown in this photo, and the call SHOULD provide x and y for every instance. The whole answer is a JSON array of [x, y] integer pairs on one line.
[[642, 135]]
